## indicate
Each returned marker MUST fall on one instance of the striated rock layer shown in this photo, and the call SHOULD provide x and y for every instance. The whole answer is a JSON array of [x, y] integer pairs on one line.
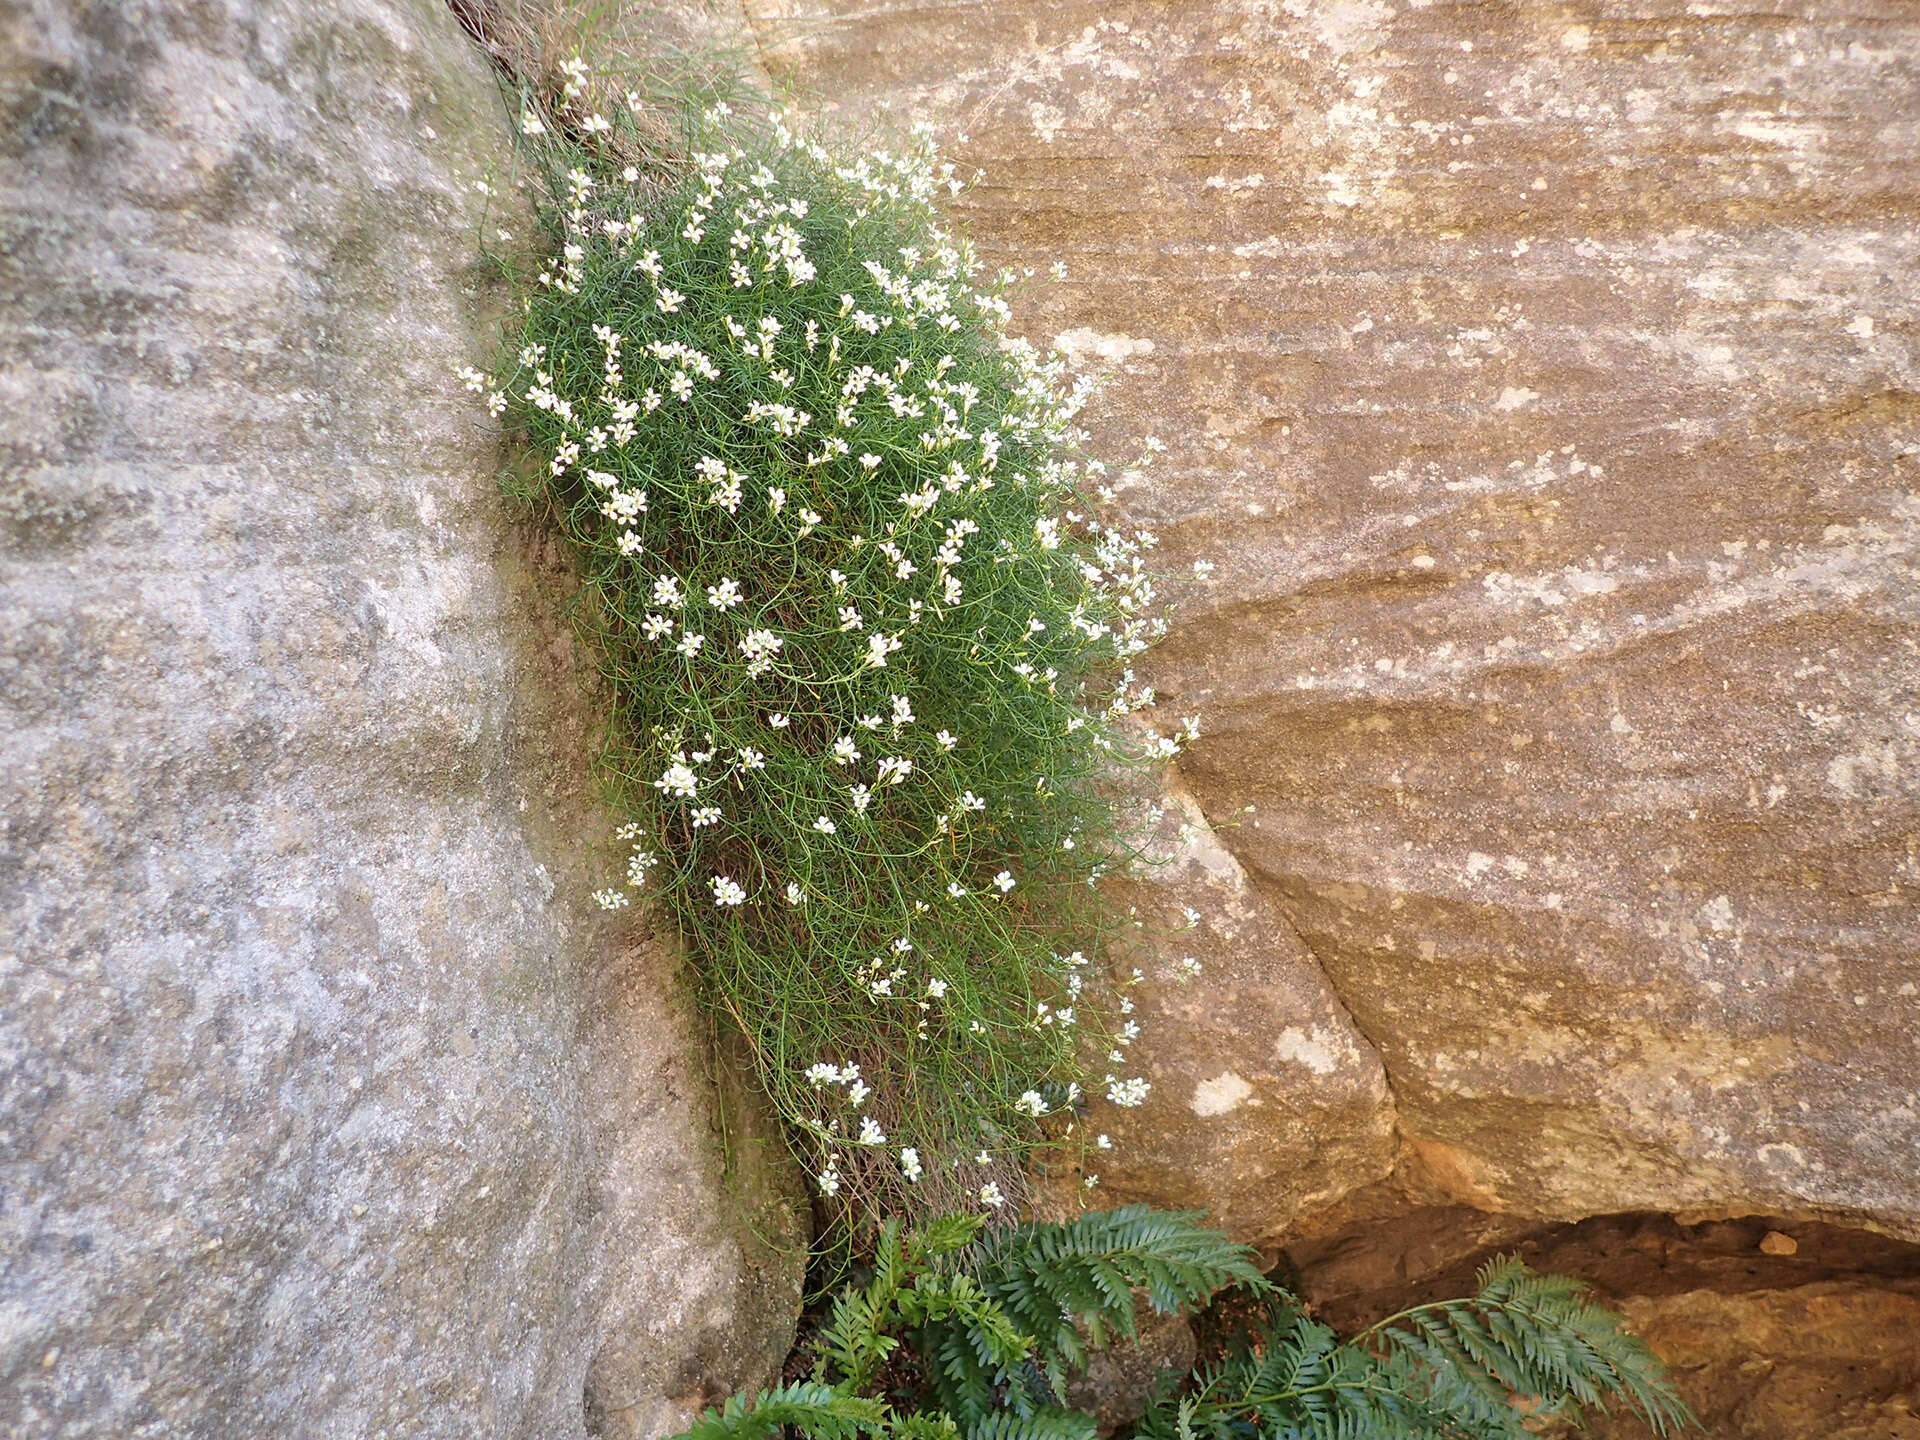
[[1542, 378], [327, 1106]]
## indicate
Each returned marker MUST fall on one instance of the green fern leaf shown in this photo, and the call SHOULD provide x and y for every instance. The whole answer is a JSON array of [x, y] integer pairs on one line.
[[821, 1412], [1047, 1424]]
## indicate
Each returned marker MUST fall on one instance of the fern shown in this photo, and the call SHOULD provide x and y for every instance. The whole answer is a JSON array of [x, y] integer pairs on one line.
[[973, 1334], [1537, 1335], [821, 1412], [1447, 1371], [1046, 1424], [1071, 1287], [1055, 1278]]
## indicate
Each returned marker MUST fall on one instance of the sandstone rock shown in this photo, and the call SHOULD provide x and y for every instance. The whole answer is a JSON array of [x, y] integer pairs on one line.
[[1543, 382], [1265, 1102], [329, 1106], [1830, 1359]]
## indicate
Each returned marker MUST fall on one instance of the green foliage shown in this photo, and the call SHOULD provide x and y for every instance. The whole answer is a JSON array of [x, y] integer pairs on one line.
[[862, 630], [954, 1336], [1071, 1287], [1452, 1370], [822, 1412]]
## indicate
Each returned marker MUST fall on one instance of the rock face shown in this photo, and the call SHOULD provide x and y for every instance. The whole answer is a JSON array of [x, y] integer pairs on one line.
[[1266, 1102], [1542, 380], [327, 1106]]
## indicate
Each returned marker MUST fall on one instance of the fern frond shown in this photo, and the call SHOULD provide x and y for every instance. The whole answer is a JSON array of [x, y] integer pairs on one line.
[[1055, 1279], [1530, 1334], [821, 1412], [925, 1425], [855, 1340], [1046, 1424]]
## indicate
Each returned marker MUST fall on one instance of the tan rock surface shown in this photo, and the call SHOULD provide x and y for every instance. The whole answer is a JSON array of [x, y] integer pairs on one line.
[[1266, 1103], [329, 1106], [1543, 379]]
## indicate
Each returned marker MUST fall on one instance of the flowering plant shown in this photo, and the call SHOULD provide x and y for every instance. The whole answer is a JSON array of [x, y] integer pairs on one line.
[[865, 633]]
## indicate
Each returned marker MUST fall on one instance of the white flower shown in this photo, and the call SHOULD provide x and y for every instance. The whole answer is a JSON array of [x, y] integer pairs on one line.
[[610, 899], [1031, 1103], [870, 460], [669, 300], [870, 1132], [850, 618], [902, 711], [689, 643], [829, 1181], [1128, 1094], [655, 626], [1091, 1181], [971, 801], [706, 815], [1188, 968], [666, 591], [760, 646], [727, 892], [1004, 880], [752, 759], [530, 124], [910, 1165], [894, 769], [795, 895], [1104, 1142], [725, 595], [956, 889], [858, 1091], [947, 741], [726, 493], [678, 779], [844, 751], [824, 825], [862, 797], [990, 1195], [936, 989], [879, 647], [777, 720]]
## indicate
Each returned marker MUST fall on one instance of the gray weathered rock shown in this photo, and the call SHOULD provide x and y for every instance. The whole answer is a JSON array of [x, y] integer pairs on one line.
[[1542, 379], [328, 1107]]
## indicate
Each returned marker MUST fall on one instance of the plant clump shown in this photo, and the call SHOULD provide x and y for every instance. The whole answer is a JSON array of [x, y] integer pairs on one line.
[[865, 631], [949, 1333]]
